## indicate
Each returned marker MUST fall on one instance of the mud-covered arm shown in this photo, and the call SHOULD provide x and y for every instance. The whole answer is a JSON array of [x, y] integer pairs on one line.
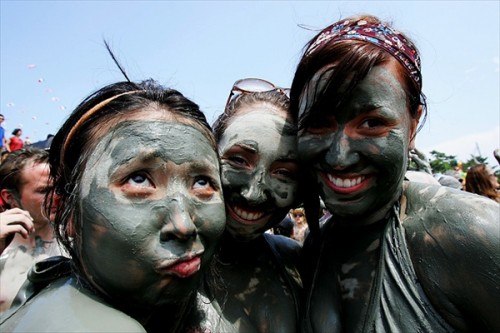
[[421, 161], [454, 243]]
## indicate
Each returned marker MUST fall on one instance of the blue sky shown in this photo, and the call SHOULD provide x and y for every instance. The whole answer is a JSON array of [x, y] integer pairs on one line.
[[52, 56]]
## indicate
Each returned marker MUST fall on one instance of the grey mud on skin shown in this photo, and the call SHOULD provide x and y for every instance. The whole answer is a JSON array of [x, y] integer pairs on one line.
[[396, 255], [136, 209], [151, 215], [259, 171], [259, 165]]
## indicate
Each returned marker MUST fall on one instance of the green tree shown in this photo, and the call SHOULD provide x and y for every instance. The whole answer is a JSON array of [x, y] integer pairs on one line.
[[474, 160], [440, 162]]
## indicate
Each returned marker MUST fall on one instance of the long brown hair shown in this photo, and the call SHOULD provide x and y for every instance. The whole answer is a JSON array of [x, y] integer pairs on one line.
[[478, 180]]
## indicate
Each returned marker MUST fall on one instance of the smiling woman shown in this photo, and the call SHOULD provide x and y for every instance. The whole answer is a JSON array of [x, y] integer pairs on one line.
[[396, 255], [260, 172], [136, 176]]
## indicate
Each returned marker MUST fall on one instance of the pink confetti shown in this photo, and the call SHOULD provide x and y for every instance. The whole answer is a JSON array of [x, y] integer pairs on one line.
[[31, 66], [40, 80], [55, 99]]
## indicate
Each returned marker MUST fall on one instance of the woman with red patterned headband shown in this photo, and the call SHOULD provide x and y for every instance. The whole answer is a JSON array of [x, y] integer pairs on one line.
[[396, 255]]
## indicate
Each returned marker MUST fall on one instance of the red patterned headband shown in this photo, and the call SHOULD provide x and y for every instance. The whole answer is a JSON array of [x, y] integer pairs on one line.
[[378, 34]]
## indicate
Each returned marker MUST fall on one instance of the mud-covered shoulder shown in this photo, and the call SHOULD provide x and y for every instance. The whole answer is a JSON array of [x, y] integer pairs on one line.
[[453, 238], [64, 307], [441, 208]]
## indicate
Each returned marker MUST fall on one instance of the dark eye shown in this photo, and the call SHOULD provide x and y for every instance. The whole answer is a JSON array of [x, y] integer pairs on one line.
[[203, 187], [201, 182], [237, 160], [139, 179], [285, 170], [284, 173], [372, 123]]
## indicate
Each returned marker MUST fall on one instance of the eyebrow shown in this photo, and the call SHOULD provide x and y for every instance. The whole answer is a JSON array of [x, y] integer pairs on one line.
[[248, 145], [139, 157], [288, 159]]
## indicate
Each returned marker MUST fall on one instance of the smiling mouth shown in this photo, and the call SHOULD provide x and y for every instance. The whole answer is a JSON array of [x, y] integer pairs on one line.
[[345, 185], [245, 216]]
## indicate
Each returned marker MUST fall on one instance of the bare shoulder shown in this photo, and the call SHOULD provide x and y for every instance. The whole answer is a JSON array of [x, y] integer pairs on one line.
[[443, 206], [64, 307], [452, 220], [453, 239]]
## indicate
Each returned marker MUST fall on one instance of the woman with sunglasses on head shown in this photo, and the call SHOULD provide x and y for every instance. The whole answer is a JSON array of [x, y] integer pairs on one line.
[[139, 217], [396, 256], [258, 149]]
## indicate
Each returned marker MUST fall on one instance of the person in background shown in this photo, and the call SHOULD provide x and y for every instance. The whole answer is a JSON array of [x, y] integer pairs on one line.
[[139, 217], [300, 228], [26, 232], [450, 181], [3, 140], [481, 179], [396, 255], [15, 142], [260, 178], [4, 155]]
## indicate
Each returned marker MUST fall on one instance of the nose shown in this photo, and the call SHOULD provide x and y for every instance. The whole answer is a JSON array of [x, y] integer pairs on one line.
[[341, 154], [256, 191], [178, 223]]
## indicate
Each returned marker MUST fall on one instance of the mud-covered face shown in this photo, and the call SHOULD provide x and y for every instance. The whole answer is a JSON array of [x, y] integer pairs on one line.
[[259, 170], [359, 152], [151, 211]]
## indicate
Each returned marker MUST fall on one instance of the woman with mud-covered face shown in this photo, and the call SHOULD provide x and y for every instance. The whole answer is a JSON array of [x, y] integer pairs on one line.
[[140, 211], [396, 254], [260, 171]]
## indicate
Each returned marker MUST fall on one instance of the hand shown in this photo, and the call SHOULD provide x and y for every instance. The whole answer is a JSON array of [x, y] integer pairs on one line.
[[421, 161], [14, 221]]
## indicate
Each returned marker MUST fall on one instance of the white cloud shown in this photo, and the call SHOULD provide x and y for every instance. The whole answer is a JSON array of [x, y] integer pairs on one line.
[[465, 146]]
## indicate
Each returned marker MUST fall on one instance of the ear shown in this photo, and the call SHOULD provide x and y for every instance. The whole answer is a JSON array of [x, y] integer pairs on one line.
[[9, 198], [413, 127]]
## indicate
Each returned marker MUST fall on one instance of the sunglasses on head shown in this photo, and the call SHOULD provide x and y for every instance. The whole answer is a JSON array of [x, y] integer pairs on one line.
[[253, 85]]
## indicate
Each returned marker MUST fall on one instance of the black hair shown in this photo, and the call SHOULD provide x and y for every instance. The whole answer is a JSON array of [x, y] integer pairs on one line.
[[72, 144], [347, 61]]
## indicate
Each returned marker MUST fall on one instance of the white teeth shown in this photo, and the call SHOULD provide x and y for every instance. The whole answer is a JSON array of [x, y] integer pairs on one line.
[[345, 182], [247, 215]]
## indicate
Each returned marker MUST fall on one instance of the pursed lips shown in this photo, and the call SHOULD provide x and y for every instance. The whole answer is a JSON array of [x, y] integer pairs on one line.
[[182, 267]]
